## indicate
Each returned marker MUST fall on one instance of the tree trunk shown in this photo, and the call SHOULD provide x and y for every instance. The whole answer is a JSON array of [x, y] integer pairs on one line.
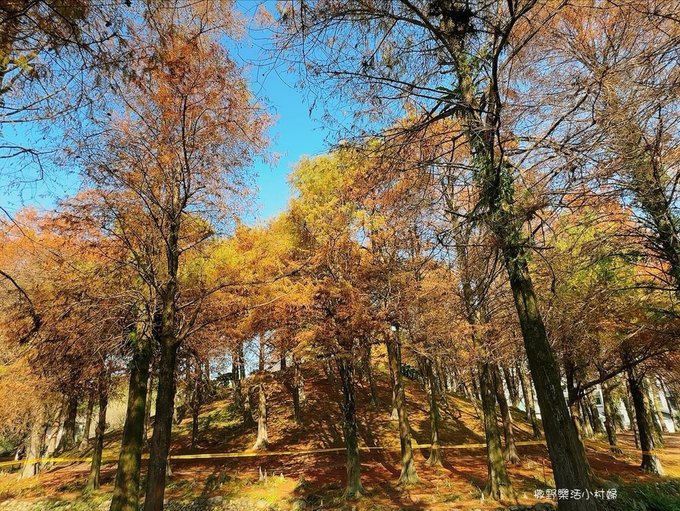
[[656, 409], [298, 386], [262, 439], [160, 440], [650, 462], [498, 486], [126, 487], [529, 408], [149, 402], [609, 415], [354, 488], [511, 455], [369, 375], [631, 416], [85, 439], [97, 450], [435, 459], [568, 457], [196, 400], [68, 438], [657, 430], [408, 468], [594, 415], [511, 383], [34, 448]]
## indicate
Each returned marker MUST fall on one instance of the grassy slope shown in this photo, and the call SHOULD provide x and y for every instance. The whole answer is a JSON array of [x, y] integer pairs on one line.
[[318, 477]]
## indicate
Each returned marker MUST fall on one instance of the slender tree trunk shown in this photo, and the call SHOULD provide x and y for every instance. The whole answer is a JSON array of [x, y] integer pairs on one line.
[[408, 468], [196, 401], [594, 415], [85, 439], [631, 415], [262, 437], [511, 455], [498, 486], [435, 459], [511, 383], [236, 378], [568, 457], [354, 488], [650, 461], [98, 449], [654, 413], [529, 408], [298, 385], [68, 438], [149, 403], [126, 487], [369, 375], [609, 415], [30, 467], [162, 428]]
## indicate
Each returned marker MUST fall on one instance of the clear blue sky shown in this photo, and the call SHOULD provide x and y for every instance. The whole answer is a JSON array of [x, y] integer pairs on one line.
[[295, 133]]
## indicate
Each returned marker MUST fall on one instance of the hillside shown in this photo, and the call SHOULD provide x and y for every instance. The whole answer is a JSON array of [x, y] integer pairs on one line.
[[315, 480]]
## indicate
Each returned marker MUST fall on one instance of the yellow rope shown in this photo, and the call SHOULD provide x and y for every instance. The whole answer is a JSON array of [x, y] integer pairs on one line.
[[249, 454]]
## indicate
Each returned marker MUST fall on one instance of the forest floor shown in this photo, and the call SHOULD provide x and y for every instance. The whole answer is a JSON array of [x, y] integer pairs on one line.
[[315, 480]]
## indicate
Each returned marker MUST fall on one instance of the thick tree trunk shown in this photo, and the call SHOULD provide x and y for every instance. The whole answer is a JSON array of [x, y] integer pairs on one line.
[[609, 417], [98, 449], [85, 438], [435, 458], [126, 487], [650, 462], [68, 438], [529, 408], [162, 428], [262, 438], [511, 455], [568, 457], [498, 486], [408, 468], [353, 488]]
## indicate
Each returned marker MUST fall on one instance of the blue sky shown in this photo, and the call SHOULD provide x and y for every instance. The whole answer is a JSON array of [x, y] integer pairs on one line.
[[295, 133]]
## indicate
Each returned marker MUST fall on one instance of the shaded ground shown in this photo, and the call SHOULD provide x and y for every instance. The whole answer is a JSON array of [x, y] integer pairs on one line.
[[318, 478]]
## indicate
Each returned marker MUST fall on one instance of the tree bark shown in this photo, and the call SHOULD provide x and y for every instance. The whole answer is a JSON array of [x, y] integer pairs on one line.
[[298, 392], [609, 417], [435, 459], [594, 415], [529, 408], [68, 438], [408, 468], [353, 488], [160, 440], [511, 383], [126, 487], [262, 438], [568, 457], [98, 449], [650, 462], [511, 455], [30, 467], [85, 439], [498, 486], [149, 403]]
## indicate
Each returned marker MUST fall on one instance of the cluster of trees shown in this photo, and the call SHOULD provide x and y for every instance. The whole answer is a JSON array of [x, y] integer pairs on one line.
[[502, 215]]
